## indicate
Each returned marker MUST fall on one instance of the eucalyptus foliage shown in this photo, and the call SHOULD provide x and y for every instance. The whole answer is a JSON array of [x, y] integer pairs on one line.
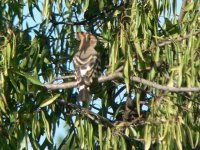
[[150, 39]]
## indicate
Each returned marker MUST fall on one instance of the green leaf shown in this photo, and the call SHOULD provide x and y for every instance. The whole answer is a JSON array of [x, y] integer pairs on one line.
[[8, 54], [117, 12], [138, 103], [101, 5], [189, 6], [108, 136], [123, 143], [2, 106], [166, 127], [197, 139], [32, 79], [91, 134], [138, 48], [157, 56], [178, 136], [13, 46], [100, 136], [13, 81], [49, 100], [147, 137], [69, 139], [133, 132], [82, 135], [5, 62], [146, 39], [130, 58], [180, 76], [117, 111], [114, 55], [122, 40], [46, 125], [189, 133], [34, 127], [127, 75], [86, 4]]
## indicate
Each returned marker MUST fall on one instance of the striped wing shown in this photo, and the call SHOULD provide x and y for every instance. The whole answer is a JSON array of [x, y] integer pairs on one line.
[[85, 69]]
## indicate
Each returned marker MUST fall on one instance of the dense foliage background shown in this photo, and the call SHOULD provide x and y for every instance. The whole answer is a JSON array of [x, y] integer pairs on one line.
[[150, 56]]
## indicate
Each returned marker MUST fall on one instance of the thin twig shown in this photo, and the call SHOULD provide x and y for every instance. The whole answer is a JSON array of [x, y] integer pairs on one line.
[[182, 11], [84, 111], [63, 77], [165, 88], [179, 39], [92, 18]]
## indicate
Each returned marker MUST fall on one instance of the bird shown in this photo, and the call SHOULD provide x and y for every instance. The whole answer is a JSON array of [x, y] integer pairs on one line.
[[85, 64]]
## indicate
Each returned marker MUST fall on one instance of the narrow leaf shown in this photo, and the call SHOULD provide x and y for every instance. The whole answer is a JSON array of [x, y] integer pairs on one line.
[[13, 81], [8, 54], [147, 138], [32, 79], [13, 46], [47, 128], [49, 100], [138, 48], [100, 136], [190, 136], [138, 103], [86, 4], [101, 5], [126, 75]]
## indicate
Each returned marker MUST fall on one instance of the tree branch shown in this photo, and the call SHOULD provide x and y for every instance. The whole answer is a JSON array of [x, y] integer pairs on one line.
[[84, 111], [94, 17], [165, 88], [119, 75], [179, 39]]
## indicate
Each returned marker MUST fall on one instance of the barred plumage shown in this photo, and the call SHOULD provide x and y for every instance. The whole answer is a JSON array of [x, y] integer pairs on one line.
[[85, 64]]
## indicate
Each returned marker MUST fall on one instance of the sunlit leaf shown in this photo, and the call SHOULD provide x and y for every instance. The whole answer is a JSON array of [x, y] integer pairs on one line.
[[86, 4], [189, 6], [117, 12], [138, 103], [49, 100], [32, 79], [100, 136], [101, 5], [147, 137], [47, 127], [2, 106], [189, 133], [138, 48], [126, 76]]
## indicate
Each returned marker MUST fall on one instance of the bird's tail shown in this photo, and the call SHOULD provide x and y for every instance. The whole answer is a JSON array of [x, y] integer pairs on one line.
[[84, 94]]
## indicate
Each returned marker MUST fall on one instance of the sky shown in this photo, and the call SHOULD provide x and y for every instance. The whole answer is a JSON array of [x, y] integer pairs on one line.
[[62, 129]]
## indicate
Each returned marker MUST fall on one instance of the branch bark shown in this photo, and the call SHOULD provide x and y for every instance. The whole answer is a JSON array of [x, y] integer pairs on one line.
[[88, 113], [119, 75]]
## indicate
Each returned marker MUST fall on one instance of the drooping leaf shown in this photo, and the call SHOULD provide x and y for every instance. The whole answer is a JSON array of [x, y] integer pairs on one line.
[[126, 76], [32, 79], [138, 48], [100, 136], [86, 4], [49, 100], [47, 127]]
